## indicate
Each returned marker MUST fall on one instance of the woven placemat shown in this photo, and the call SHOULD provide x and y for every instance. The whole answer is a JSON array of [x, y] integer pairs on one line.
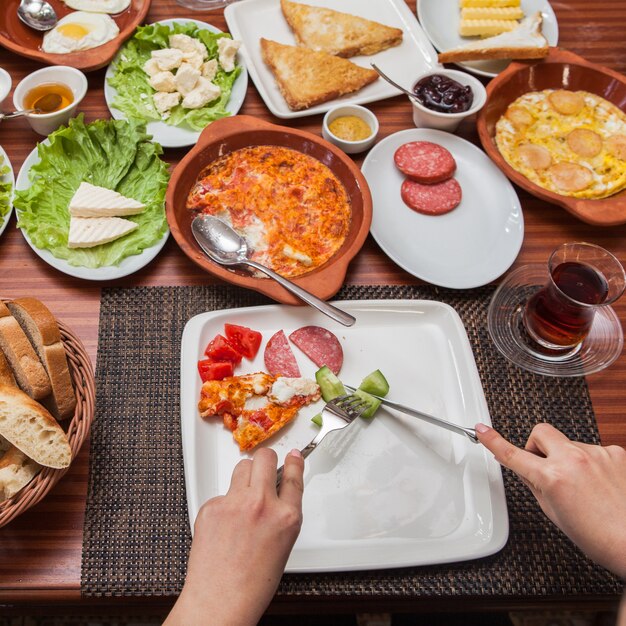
[[136, 537]]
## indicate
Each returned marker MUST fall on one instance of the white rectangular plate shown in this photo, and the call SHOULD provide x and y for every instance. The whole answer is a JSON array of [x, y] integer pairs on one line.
[[388, 492], [250, 20]]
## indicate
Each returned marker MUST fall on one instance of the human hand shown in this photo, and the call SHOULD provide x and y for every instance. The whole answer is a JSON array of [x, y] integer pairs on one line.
[[580, 487], [241, 544]]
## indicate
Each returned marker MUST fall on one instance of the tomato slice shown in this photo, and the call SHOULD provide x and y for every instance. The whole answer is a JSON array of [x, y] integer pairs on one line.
[[245, 340], [215, 370], [220, 349]]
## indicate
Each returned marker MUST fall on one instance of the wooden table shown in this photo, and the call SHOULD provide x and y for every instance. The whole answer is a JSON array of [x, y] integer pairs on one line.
[[40, 552]]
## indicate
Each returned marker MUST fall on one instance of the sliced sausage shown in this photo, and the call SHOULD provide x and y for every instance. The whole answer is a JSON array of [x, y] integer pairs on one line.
[[320, 345], [431, 199], [279, 359], [425, 162]]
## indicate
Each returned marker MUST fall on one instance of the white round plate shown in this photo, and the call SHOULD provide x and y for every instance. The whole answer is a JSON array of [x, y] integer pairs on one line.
[[177, 136], [10, 178], [128, 266], [468, 247], [440, 20]]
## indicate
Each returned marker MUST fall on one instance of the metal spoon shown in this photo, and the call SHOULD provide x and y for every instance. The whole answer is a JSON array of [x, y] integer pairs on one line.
[[37, 14], [224, 246], [8, 116], [48, 103], [393, 82]]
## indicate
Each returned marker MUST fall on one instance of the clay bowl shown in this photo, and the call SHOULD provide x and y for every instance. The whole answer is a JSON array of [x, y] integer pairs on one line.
[[233, 133], [561, 69], [25, 41]]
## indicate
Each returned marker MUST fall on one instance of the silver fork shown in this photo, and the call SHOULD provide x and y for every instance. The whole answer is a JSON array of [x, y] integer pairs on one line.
[[337, 414]]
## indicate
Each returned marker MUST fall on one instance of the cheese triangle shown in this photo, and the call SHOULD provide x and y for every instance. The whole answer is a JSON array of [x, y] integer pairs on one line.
[[341, 34], [93, 201], [305, 77], [87, 232]]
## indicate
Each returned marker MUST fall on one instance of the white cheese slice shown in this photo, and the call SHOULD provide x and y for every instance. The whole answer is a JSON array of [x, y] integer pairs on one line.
[[93, 201], [87, 232]]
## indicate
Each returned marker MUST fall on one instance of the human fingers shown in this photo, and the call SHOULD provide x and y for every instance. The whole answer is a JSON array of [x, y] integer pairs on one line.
[[522, 462], [544, 439], [292, 485], [264, 469], [241, 475]]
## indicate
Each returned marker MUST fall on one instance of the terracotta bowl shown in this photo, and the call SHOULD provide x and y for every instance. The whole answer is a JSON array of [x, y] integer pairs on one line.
[[561, 69], [233, 133], [25, 41]]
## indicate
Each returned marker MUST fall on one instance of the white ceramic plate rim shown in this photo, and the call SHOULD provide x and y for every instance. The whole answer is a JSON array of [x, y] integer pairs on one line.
[[208, 446], [10, 177], [173, 136], [494, 257], [451, 38], [128, 266], [415, 46]]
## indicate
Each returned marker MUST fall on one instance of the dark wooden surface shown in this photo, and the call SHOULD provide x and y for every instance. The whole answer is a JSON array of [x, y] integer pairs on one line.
[[40, 552]]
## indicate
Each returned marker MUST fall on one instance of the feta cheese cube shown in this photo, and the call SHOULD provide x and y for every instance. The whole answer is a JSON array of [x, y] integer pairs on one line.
[[195, 60], [227, 49], [209, 69], [188, 45], [163, 102], [204, 92], [168, 58], [151, 67], [163, 81], [186, 78]]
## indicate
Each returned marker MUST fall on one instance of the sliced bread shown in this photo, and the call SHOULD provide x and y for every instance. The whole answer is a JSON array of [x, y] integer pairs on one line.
[[16, 469], [43, 332], [30, 428], [20, 354], [524, 42], [6, 375], [341, 34], [306, 77]]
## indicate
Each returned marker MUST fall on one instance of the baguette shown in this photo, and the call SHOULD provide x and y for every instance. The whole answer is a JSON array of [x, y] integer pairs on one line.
[[340, 34], [27, 369], [43, 332], [16, 470], [306, 77], [524, 42], [30, 428]]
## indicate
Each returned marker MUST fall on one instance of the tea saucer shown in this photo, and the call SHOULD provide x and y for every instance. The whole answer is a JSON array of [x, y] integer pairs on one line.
[[599, 349]]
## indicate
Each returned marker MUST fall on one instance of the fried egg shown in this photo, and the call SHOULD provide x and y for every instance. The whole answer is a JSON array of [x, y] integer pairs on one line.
[[79, 31], [98, 6], [570, 142]]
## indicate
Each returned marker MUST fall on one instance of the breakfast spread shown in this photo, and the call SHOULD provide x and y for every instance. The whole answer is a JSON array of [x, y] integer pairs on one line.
[[569, 142], [350, 128], [80, 30], [485, 18], [443, 94], [265, 193]]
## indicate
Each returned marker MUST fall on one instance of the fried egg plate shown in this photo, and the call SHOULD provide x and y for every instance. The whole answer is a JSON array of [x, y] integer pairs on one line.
[[569, 142]]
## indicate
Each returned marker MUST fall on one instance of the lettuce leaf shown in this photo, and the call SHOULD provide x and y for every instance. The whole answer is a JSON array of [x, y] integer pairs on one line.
[[115, 154], [5, 189], [134, 94]]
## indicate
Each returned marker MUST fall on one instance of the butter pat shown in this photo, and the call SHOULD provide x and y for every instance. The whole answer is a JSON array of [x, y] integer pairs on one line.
[[93, 201]]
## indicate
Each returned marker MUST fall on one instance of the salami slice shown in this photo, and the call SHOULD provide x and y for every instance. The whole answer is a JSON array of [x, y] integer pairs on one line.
[[434, 199], [425, 162], [279, 359], [320, 345]]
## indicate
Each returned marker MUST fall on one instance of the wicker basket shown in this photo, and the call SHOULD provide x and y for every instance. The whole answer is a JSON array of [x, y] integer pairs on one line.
[[81, 371]]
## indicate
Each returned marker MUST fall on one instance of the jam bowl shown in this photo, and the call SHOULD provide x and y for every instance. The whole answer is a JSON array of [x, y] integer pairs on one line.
[[443, 98]]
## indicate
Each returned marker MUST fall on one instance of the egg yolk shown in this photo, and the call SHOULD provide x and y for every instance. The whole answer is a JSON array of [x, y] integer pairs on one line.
[[74, 31]]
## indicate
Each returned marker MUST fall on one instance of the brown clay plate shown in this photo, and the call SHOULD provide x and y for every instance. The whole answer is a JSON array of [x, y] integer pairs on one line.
[[25, 41], [561, 69], [232, 133]]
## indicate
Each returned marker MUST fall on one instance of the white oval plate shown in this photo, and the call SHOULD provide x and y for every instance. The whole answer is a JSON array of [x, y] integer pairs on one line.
[[128, 266], [8, 177], [176, 136], [440, 20], [465, 248]]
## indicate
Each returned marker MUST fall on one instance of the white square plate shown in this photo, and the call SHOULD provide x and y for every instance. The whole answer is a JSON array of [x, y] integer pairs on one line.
[[388, 492], [252, 19]]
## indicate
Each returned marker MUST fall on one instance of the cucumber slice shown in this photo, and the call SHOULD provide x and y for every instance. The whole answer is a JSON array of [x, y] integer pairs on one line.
[[375, 383], [317, 420], [373, 402], [330, 385]]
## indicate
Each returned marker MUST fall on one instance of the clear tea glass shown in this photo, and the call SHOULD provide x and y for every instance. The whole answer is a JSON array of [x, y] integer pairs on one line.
[[204, 5], [582, 277]]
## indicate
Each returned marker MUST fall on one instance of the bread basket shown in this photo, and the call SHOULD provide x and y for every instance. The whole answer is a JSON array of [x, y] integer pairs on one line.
[[77, 428]]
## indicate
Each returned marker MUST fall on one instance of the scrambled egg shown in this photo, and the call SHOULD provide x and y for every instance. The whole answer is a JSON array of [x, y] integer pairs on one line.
[[570, 142]]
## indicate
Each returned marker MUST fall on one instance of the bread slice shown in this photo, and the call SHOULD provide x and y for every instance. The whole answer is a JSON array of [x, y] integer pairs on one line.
[[340, 34], [16, 470], [6, 375], [306, 77], [31, 429], [524, 42], [27, 369], [43, 332]]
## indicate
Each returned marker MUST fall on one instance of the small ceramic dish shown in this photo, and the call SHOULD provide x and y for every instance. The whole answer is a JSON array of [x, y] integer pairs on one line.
[[349, 110], [233, 133], [5, 85], [25, 41], [424, 117], [45, 123], [561, 69]]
